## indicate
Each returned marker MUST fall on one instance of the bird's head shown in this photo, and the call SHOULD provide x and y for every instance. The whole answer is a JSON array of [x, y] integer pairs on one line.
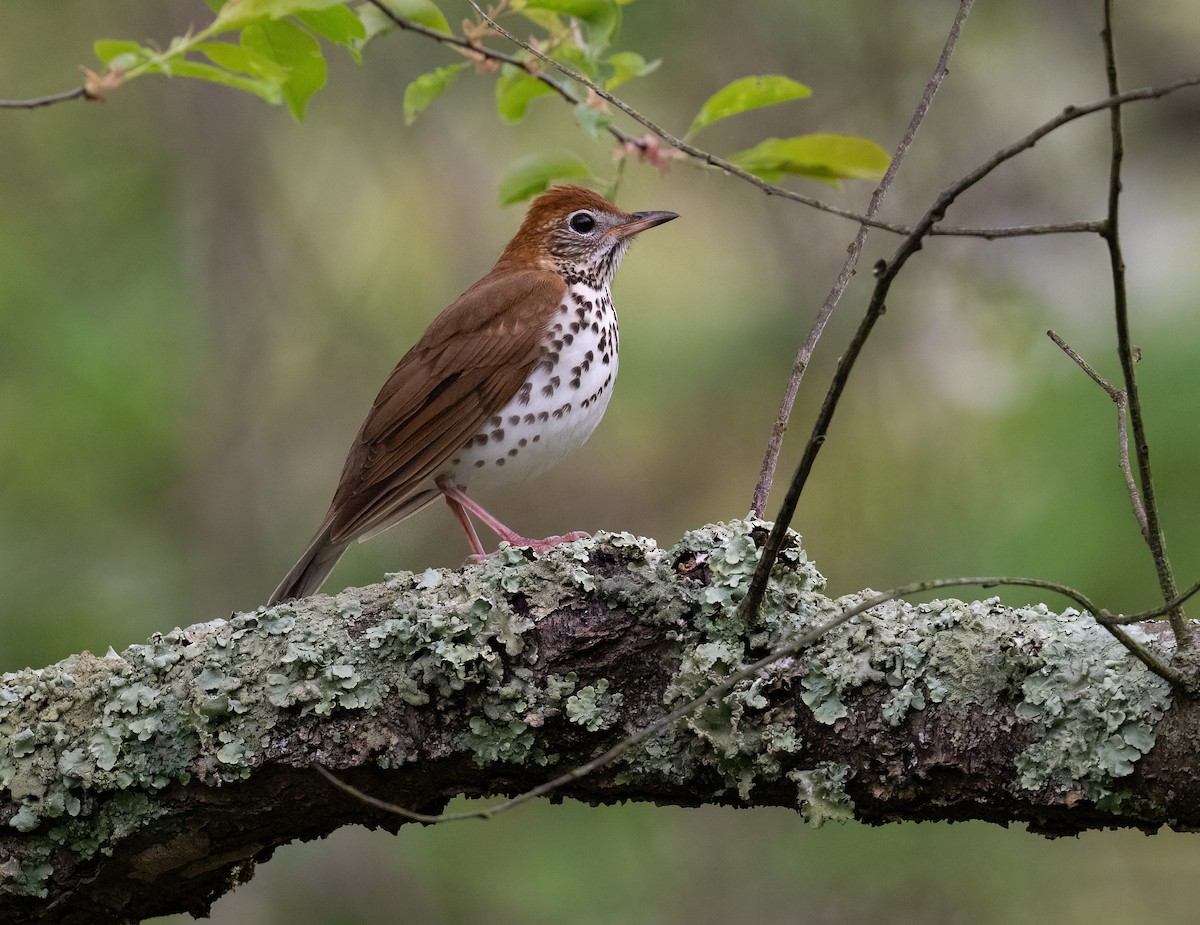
[[578, 234]]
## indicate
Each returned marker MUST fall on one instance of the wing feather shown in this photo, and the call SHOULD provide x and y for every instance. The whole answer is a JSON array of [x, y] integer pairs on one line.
[[469, 364]]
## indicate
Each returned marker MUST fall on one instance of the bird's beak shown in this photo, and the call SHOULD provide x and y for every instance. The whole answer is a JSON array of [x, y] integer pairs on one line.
[[640, 221]]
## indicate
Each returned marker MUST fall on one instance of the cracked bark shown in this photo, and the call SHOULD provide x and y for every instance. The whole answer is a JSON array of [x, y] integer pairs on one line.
[[191, 757]]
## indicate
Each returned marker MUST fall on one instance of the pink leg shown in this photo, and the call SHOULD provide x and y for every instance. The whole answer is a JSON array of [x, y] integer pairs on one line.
[[472, 537], [461, 504]]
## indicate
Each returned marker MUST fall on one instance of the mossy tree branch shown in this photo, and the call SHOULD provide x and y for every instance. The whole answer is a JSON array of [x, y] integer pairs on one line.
[[153, 780]]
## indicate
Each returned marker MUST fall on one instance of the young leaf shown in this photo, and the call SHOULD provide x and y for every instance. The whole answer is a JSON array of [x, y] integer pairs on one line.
[[514, 90], [601, 18], [423, 12], [121, 55], [828, 158], [592, 120], [336, 24], [626, 65], [181, 67], [296, 52], [243, 60], [747, 93], [531, 175], [236, 14], [427, 88]]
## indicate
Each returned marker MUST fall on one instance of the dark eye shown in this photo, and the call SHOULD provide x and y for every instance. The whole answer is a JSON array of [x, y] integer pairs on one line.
[[582, 222]]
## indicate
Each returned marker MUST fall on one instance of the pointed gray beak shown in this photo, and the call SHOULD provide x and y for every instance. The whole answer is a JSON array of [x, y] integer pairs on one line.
[[641, 221]]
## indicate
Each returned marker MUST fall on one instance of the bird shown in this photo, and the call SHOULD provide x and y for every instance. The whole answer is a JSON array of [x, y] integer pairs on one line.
[[508, 380]]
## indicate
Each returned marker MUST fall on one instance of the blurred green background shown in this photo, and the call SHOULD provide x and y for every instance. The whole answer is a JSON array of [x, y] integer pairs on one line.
[[199, 298]]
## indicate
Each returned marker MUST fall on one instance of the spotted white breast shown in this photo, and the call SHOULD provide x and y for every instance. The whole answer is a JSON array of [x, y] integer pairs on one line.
[[558, 407]]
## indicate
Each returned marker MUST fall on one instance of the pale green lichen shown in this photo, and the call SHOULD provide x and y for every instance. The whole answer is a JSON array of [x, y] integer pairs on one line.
[[204, 700], [1096, 711], [733, 736], [821, 794], [594, 707]]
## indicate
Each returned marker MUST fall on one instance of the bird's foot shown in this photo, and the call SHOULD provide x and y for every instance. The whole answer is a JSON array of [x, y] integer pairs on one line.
[[538, 546]]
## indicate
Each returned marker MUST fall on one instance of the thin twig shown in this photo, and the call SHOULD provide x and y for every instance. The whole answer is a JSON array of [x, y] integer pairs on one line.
[[1151, 527], [766, 475], [1122, 403], [79, 93], [1146, 615], [886, 274]]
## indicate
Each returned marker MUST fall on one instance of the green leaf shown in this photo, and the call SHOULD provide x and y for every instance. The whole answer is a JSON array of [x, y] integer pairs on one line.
[[828, 158], [236, 14], [427, 88], [296, 52], [531, 175], [423, 12], [108, 49], [243, 60], [119, 55], [593, 121], [626, 65], [514, 90], [747, 93], [336, 24], [181, 67], [601, 18]]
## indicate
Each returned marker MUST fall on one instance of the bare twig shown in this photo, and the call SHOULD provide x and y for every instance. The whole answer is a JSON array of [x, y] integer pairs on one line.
[[766, 475], [1151, 525], [1105, 617], [1122, 403], [79, 93], [886, 274]]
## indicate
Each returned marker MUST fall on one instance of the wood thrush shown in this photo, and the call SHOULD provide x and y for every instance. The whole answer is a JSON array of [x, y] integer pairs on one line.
[[511, 378]]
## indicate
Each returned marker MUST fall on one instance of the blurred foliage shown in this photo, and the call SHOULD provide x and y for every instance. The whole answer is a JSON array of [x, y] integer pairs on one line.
[[199, 296]]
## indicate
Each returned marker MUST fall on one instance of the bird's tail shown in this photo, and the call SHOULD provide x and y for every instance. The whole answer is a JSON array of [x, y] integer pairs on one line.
[[307, 575]]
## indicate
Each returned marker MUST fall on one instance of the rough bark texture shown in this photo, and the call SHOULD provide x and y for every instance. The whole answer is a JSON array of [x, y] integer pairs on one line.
[[153, 780]]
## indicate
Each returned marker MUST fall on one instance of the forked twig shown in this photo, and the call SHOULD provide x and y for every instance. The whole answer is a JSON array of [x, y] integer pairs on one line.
[[766, 475], [1152, 526], [1122, 403]]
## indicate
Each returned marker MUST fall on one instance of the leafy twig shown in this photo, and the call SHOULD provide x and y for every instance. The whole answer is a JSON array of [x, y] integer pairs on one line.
[[804, 355]]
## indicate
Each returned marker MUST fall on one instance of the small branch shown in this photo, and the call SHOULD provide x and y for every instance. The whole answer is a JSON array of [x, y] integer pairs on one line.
[[1151, 526], [1122, 402], [79, 93], [766, 476], [886, 274]]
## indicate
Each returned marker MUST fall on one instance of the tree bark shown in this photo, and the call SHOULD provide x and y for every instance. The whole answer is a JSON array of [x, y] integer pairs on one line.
[[152, 781]]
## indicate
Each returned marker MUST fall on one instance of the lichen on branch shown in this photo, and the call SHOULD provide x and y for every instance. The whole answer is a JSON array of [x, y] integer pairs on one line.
[[191, 757]]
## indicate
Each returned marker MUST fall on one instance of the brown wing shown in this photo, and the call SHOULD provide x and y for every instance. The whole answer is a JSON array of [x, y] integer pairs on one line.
[[467, 366]]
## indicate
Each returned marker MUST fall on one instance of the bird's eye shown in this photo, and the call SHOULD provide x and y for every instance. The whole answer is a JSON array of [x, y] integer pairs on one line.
[[582, 222]]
